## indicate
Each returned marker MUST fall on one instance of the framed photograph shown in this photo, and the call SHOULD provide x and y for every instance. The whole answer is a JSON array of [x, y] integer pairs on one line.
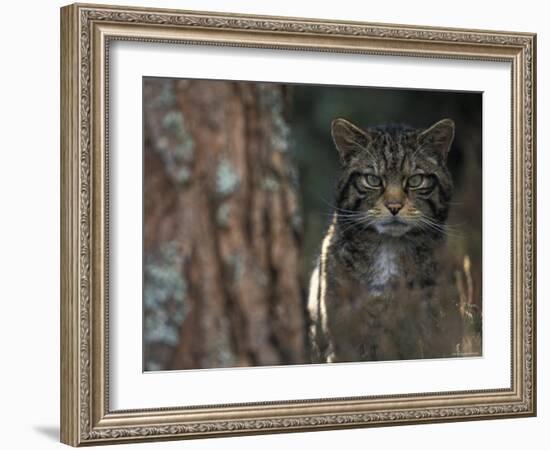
[[275, 224]]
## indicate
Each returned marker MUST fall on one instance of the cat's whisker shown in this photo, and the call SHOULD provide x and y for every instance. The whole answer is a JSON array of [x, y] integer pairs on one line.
[[350, 224], [364, 222], [437, 224], [425, 226], [355, 213], [433, 225], [451, 226], [455, 226], [351, 219], [438, 227], [336, 208], [331, 214]]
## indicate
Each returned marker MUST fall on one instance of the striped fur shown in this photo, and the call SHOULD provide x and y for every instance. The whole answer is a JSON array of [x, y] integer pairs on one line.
[[368, 250]]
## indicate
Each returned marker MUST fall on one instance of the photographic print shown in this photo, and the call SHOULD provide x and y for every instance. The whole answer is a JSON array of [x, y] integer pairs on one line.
[[296, 224], [344, 212]]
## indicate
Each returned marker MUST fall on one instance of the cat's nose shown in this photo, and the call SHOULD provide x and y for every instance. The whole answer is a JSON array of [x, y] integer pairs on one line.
[[394, 207]]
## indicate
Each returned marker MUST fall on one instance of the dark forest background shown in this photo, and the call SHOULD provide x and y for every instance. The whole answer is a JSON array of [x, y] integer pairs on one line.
[[238, 183]]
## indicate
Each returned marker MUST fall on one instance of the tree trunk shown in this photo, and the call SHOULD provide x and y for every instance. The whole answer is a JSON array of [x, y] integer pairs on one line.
[[221, 227]]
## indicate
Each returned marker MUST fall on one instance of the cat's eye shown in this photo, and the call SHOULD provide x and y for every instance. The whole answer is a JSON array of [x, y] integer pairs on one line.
[[416, 181], [372, 181]]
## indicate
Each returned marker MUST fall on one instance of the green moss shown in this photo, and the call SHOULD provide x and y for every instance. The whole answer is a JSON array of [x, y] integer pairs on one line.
[[165, 93], [297, 221], [164, 293], [223, 352], [175, 128], [153, 366], [237, 266], [176, 147], [281, 134], [181, 175], [227, 179], [222, 215], [173, 120], [270, 184], [294, 176], [185, 147], [271, 100], [163, 143]]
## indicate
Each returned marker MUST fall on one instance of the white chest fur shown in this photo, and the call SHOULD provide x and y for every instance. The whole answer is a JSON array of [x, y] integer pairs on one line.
[[386, 265]]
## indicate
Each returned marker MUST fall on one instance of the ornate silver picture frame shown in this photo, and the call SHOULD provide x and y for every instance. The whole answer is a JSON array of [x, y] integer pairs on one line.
[[87, 34]]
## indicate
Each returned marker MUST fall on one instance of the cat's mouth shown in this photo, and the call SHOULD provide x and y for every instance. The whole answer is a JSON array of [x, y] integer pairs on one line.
[[392, 226]]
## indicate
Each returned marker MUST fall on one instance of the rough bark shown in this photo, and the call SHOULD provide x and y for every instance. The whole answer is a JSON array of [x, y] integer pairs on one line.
[[221, 227]]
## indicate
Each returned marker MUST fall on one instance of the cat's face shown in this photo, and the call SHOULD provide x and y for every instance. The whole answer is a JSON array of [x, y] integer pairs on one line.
[[394, 180]]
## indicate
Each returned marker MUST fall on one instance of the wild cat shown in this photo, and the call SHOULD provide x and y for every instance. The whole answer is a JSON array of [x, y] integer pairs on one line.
[[376, 292]]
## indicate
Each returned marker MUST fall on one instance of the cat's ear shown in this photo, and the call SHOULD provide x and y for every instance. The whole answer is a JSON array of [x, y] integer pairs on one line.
[[436, 141], [348, 138]]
